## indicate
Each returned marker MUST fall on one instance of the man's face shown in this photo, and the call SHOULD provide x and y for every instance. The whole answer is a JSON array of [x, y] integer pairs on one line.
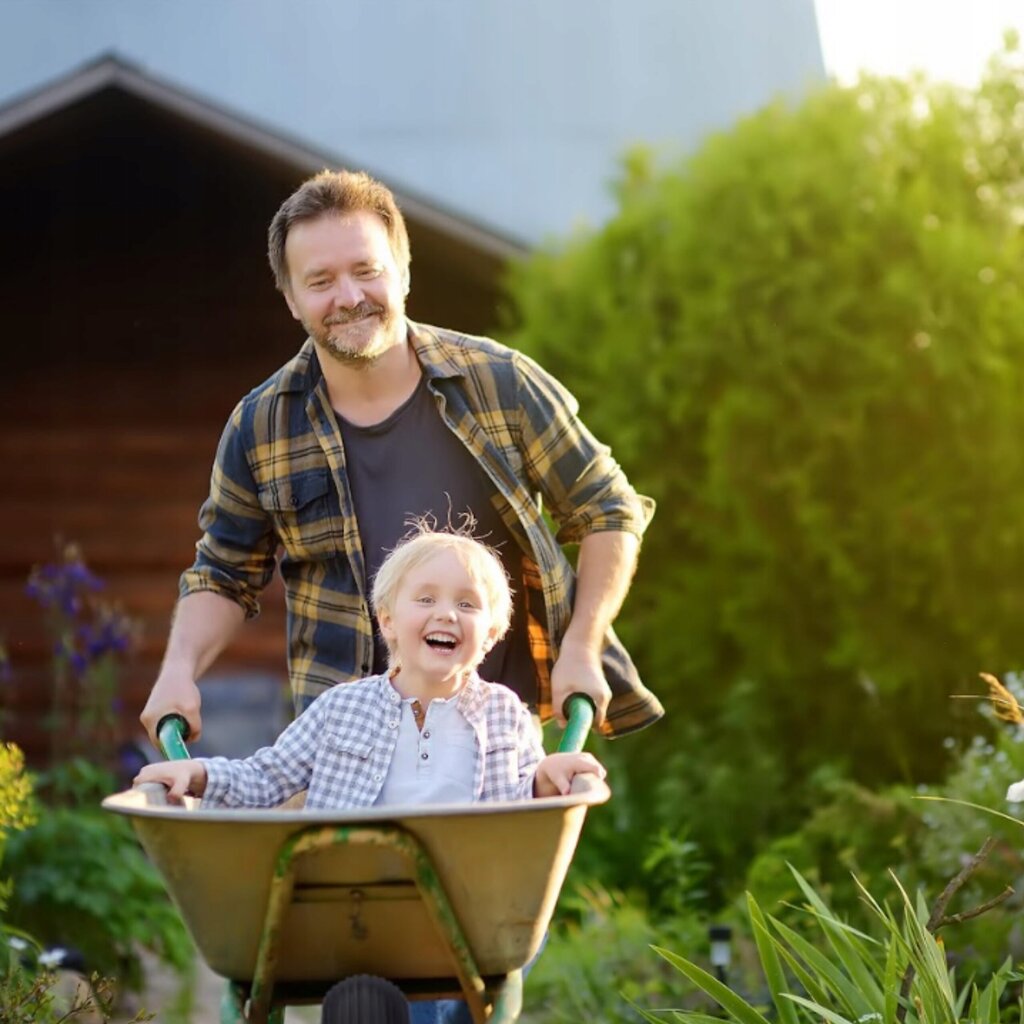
[[345, 287]]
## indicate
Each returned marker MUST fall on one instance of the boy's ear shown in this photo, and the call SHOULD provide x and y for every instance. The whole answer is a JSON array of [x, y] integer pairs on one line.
[[386, 628], [492, 639]]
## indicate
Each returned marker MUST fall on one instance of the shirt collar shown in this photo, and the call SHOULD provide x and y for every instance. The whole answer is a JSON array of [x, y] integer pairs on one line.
[[437, 356], [471, 699]]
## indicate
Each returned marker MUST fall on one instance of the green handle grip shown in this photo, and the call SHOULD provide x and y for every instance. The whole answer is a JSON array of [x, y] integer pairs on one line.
[[579, 717], [171, 732]]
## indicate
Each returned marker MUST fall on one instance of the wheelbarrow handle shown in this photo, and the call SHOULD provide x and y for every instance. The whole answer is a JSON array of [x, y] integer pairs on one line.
[[579, 717], [171, 732]]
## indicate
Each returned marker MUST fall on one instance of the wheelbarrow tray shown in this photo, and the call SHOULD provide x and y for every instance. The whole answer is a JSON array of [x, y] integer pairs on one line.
[[355, 908]]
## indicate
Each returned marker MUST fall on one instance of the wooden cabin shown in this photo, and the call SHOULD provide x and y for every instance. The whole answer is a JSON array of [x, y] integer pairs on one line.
[[136, 308]]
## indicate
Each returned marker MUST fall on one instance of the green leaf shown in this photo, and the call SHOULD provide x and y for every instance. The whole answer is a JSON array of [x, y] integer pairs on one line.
[[770, 963], [828, 973], [740, 1009], [823, 1011]]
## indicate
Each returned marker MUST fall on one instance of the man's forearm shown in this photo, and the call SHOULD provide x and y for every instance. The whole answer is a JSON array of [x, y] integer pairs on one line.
[[604, 571], [204, 623]]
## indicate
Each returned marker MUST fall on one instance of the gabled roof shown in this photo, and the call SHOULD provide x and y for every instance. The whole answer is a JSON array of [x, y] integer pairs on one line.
[[112, 72]]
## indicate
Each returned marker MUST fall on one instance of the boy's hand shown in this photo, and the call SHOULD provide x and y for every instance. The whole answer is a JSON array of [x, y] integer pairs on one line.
[[556, 772], [182, 778]]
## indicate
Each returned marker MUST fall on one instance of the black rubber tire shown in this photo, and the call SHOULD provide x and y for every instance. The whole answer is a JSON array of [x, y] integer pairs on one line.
[[365, 999]]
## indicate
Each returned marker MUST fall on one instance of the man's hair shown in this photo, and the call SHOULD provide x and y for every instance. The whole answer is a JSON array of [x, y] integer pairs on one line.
[[336, 193], [481, 562]]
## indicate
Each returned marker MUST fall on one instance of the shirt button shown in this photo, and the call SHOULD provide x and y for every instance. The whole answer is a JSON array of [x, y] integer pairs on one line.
[[392, 724], [366, 668], [425, 756], [376, 778], [293, 501], [426, 735]]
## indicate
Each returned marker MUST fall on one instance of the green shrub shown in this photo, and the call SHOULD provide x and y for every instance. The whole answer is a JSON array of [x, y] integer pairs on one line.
[[596, 962], [31, 990], [852, 832], [807, 343], [80, 879]]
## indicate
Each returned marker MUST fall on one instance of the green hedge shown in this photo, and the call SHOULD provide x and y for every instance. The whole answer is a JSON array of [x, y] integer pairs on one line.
[[807, 343]]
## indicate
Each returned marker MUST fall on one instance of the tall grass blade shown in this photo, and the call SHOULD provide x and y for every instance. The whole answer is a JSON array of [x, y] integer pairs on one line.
[[831, 976], [772, 966], [850, 946], [729, 1001], [823, 1011]]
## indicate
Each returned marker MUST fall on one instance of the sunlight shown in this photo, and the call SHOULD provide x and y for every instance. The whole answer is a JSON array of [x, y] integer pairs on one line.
[[947, 39]]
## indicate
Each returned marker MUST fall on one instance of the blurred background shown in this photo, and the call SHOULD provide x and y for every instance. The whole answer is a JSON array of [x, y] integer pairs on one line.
[[773, 247]]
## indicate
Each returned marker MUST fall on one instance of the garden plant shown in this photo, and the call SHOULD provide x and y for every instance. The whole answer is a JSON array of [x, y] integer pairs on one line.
[[807, 342], [78, 882]]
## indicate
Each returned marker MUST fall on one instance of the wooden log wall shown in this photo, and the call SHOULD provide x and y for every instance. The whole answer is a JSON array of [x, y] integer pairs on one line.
[[135, 310], [128, 499]]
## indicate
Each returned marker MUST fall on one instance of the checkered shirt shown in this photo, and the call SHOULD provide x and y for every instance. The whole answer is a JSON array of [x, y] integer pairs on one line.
[[340, 749], [279, 485]]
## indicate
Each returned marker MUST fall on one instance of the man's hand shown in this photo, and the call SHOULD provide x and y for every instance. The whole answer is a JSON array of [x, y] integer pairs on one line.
[[556, 772], [578, 670], [174, 692], [182, 778]]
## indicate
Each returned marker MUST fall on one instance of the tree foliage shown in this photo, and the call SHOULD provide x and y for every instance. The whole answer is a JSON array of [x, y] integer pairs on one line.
[[807, 343]]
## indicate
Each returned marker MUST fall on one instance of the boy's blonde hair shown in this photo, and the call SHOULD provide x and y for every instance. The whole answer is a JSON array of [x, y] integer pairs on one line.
[[481, 562]]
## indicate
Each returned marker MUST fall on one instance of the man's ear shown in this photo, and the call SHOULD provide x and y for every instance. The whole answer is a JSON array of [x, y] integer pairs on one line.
[[291, 304]]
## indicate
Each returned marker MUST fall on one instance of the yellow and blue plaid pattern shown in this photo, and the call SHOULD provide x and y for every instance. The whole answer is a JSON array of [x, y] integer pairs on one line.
[[279, 496]]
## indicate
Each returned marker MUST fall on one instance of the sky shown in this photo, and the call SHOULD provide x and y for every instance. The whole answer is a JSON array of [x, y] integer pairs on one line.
[[948, 39]]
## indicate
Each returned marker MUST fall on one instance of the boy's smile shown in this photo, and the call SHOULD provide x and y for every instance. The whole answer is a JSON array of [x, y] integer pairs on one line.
[[440, 627]]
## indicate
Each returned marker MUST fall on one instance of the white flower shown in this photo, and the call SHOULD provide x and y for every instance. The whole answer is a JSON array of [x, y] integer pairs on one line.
[[18, 944], [52, 957], [1015, 794]]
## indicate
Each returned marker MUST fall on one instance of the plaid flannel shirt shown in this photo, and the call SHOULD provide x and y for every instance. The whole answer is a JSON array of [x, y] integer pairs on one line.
[[279, 483], [341, 747]]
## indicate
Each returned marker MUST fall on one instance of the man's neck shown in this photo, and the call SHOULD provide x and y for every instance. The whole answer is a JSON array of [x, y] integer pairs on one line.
[[367, 395]]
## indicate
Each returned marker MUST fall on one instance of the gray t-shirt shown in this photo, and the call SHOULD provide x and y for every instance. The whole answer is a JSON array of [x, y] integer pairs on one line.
[[411, 465]]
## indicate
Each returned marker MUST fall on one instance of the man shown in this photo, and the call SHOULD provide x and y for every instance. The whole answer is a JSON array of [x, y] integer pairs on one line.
[[378, 421]]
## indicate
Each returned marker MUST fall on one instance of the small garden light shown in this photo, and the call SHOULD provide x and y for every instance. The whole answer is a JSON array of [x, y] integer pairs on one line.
[[720, 936]]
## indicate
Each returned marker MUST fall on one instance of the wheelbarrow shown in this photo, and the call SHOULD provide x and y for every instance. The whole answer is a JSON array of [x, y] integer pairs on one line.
[[444, 900]]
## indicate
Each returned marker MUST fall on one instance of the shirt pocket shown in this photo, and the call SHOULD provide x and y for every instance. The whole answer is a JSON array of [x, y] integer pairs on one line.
[[501, 762], [300, 507], [344, 772]]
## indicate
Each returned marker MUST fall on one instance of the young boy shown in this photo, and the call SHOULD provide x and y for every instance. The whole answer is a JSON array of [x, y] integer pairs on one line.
[[428, 731]]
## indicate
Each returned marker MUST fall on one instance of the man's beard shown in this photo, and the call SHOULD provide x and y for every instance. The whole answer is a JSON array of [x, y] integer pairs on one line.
[[358, 356]]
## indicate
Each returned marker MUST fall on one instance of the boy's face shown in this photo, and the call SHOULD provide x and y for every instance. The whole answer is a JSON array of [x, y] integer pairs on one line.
[[440, 627]]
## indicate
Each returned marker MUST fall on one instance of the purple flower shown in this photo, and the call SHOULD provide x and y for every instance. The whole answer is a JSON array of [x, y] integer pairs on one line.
[[110, 632], [61, 585]]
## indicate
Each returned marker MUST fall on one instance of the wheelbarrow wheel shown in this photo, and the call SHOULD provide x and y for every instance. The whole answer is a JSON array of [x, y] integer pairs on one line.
[[365, 999]]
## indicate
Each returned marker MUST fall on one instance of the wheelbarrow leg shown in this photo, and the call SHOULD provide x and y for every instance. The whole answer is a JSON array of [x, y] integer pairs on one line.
[[232, 1006], [232, 1003], [507, 1002]]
